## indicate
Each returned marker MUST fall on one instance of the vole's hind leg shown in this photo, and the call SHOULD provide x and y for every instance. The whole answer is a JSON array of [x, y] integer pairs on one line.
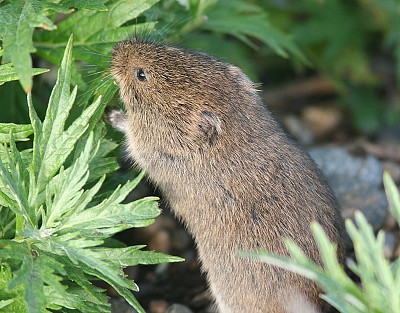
[[117, 118]]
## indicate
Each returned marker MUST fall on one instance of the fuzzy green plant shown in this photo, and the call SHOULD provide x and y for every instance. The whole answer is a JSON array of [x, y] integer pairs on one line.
[[55, 220], [30, 27], [379, 288]]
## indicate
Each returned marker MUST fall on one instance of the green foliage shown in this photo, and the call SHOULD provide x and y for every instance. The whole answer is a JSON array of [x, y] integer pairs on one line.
[[7, 73], [17, 21], [98, 25], [354, 43], [245, 21], [52, 223], [379, 289], [342, 40]]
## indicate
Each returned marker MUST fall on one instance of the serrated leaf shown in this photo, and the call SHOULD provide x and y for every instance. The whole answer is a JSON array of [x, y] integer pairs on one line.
[[14, 191], [95, 29], [63, 197], [59, 143], [102, 219], [73, 300], [86, 4], [20, 132], [89, 24], [59, 148], [17, 21], [12, 300], [131, 256], [95, 33], [102, 166], [244, 21], [86, 259], [4, 303], [30, 276], [393, 196], [55, 254], [7, 73], [129, 297], [86, 288]]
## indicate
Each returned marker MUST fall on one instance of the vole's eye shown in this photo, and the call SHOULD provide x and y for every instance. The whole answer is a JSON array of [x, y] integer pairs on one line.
[[141, 75]]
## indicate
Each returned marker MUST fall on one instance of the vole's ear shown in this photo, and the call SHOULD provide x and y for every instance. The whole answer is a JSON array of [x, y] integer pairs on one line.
[[210, 126]]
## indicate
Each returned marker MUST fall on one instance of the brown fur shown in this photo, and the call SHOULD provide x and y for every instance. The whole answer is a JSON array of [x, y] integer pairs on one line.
[[226, 168]]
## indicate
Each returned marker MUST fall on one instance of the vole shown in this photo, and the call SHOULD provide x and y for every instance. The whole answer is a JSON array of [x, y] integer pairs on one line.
[[226, 168]]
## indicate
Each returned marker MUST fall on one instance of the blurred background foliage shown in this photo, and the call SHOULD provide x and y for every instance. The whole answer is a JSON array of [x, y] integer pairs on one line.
[[355, 44]]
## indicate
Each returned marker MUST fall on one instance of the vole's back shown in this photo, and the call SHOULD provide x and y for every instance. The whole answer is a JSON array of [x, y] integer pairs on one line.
[[227, 170]]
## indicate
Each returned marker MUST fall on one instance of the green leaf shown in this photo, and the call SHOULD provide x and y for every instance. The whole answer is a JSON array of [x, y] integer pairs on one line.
[[7, 73], [379, 287], [87, 4], [4, 303], [66, 194], [60, 219], [73, 300], [53, 143], [106, 219], [341, 54], [244, 21], [58, 149], [14, 192], [30, 276], [10, 300], [91, 24], [20, 132], [76, 252], [95, 35], [393, 196], [131, 256], [17, 21], [84, 287], [95, 32]]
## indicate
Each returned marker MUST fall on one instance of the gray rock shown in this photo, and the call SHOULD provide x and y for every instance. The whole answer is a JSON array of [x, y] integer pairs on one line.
[[356, 182]]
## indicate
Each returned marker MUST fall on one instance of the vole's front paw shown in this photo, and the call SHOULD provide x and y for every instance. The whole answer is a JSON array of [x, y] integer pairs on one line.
[[117, 118]]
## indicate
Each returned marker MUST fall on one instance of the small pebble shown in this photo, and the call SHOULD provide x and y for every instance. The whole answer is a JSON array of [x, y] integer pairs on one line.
[[158, 306], [178, 308], [160, 241], [322, 120], [143, 234]]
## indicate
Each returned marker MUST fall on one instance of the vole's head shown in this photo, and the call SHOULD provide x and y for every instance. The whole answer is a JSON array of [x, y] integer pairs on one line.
[[162, 75], [179, 86]]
